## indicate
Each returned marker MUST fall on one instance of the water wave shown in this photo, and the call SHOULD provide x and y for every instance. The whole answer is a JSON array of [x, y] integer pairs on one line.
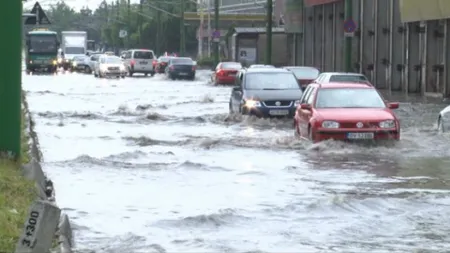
[[223, 217]]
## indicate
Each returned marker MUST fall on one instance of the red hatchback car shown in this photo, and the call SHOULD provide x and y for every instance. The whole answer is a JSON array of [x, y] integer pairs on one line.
[[347, 112], [226, 73]]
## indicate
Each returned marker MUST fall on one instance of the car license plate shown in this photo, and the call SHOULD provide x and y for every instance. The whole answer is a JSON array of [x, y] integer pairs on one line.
[[278, 112], [360, 136], [183, 74], [143, 62]]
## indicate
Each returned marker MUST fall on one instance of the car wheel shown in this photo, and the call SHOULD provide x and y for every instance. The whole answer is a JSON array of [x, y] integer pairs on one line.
[[123, 76], [440, 125], [146, 74], [152, 74], [130, 73], [88, 70], [172, 77], [95, 74]]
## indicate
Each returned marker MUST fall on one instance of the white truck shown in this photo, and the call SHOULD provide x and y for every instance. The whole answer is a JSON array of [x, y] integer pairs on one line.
[[74, 43]]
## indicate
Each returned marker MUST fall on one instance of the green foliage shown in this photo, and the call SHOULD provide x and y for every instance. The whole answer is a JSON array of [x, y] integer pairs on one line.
[[206, 62], [141, 21], [16, 196]]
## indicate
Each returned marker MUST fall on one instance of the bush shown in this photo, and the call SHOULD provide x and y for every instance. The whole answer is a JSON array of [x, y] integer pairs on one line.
[[206, 61]]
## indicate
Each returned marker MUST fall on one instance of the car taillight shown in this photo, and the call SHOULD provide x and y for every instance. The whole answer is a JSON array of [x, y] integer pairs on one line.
[[154, 62], [132, 62], [220, 73], [171, 67]]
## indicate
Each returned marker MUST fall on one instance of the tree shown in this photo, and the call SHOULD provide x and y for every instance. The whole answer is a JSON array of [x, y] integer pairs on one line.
[[151, 24]]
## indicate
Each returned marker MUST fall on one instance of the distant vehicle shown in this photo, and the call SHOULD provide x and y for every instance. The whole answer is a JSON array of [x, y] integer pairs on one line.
[[162, 63], [265, 92], [181, 68], [42, 51], [92, 61], [80, 63], [140, 61], [341, 77], [225, 73], [74, 43], [91, 45], [305, 75], [259, 66], [443, 121], [109, 66], [110, 53], [347, 112]]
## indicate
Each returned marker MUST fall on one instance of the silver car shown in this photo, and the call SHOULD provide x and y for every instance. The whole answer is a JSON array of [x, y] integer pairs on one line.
[[443, 121], [93, 60], [110, 66]]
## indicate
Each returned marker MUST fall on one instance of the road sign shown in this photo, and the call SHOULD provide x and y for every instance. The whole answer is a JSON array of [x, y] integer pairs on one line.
[[349, 28], [123, 33], [40, 18], [216, 36]]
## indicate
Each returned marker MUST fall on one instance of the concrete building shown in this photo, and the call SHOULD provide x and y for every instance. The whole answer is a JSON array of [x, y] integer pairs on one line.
[[401, 45]]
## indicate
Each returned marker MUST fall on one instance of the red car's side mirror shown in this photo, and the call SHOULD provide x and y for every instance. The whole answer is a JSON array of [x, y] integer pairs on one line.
[[305, 107], [393, 105]]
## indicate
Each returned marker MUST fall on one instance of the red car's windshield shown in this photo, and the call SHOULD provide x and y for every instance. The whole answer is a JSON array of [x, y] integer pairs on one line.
[[349, 98], [348, 79]]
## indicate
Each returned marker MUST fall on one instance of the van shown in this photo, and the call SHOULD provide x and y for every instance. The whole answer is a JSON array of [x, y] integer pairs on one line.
[[140, 61]]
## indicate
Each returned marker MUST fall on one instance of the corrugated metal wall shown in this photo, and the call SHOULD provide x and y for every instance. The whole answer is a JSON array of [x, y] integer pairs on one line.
[[410, 57]]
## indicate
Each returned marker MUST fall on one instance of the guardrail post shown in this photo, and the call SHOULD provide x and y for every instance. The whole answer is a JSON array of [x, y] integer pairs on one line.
[[11, 76]]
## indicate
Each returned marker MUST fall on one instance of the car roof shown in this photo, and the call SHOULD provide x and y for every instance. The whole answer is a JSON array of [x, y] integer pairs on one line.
[[267, 70], [143, 50], [342, 73], [233, 62], [336, 85], [300, 67]]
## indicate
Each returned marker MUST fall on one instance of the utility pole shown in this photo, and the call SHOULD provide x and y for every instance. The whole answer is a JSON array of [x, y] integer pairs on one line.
[[128, 24], [209, 28], [268, 58], [348, 40], [200, 30], [11, 74], [216, 27], [141, 3], [182, 29], [158, 29]]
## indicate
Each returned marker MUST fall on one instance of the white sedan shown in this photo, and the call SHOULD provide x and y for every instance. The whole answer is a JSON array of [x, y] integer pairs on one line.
[[110, 66]]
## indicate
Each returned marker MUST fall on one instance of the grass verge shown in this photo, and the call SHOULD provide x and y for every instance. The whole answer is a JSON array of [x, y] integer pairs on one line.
[[16, 196]]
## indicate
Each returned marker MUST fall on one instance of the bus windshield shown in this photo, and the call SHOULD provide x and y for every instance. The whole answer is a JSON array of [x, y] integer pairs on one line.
[[45, 44]]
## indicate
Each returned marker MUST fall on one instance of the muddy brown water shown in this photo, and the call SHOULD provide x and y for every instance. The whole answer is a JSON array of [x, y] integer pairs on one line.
[[151, 165]]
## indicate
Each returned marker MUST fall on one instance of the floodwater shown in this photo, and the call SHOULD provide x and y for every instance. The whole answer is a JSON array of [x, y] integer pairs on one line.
[[152, 165]]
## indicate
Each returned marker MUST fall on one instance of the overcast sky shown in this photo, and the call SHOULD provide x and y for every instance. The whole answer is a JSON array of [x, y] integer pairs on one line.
[[76, 4]]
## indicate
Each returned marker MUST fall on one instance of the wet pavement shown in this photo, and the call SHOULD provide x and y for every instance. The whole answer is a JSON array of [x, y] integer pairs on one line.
[[152, 165]]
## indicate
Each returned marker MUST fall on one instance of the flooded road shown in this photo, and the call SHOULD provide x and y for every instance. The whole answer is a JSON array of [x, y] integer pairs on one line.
[[151, 165]]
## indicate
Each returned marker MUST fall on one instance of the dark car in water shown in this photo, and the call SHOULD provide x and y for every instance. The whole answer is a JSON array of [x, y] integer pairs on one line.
[[265, 92], [162, 63], [304, 74], [181, 68]]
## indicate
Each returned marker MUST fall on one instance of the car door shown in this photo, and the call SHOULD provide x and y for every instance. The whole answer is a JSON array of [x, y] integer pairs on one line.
[[304, 115], [237, 93], [127, 59], [214, 75]]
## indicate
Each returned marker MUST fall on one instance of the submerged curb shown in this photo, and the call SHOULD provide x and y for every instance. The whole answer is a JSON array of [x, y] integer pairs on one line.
[[45, 222]]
